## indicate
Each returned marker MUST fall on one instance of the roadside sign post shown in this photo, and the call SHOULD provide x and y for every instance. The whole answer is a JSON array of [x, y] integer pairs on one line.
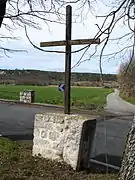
[[68, 43]]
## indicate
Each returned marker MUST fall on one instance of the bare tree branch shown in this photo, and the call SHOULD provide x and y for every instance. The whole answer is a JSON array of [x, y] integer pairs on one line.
[[51, 51]]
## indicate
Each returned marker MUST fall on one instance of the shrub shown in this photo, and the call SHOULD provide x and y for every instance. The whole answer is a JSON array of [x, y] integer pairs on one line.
[[126, 78]]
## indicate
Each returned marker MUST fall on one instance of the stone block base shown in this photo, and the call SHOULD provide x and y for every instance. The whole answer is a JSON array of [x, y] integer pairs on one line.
[[27, 96], [64, 137]]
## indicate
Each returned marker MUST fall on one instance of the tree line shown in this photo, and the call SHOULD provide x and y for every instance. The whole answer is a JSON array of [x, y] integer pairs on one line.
[[37, 77]]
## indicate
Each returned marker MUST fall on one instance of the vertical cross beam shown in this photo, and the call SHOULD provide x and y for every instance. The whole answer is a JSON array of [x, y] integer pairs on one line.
[[68, 60]]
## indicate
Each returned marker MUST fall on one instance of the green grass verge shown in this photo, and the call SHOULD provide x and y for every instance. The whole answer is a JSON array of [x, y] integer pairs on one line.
[[130, 100], [17, 163], [80, 96]]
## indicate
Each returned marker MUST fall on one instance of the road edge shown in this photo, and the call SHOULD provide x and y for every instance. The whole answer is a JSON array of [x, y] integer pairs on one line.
[[73, 109], [12, 102]]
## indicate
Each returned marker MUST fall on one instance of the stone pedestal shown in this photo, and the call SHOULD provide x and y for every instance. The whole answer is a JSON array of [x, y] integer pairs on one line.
[[63, 137], [27, 96]]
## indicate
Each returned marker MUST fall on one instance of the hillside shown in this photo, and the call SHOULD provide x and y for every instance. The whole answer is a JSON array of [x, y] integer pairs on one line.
[[37, 77]]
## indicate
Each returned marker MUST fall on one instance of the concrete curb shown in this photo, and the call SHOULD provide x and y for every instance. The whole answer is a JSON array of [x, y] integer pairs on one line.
[[30, 104], [85, 111], [61, 108]]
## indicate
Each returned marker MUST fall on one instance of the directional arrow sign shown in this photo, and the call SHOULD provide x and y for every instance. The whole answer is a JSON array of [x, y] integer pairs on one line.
[[61, 87]]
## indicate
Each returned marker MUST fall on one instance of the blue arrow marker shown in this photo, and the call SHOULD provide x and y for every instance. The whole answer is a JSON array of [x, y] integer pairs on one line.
[[61, 87]]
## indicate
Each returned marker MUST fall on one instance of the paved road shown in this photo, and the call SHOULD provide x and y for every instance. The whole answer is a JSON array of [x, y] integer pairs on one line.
[[16, 121], [117, 105]]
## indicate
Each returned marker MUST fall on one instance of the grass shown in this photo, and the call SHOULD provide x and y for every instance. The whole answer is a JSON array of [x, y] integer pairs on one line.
[[17, 163], [80, 96], [130, 100]]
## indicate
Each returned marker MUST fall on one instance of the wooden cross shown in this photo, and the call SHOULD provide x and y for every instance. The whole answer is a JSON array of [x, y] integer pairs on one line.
[[68, 43]]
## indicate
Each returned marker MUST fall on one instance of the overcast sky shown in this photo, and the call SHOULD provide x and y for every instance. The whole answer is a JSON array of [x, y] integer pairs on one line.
[[35, 59]]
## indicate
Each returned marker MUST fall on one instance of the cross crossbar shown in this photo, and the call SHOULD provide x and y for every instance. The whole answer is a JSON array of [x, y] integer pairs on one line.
[[71, 42]]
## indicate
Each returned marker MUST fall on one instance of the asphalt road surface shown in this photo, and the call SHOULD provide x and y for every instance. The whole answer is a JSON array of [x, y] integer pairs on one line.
[[17, 121], [115, 104]]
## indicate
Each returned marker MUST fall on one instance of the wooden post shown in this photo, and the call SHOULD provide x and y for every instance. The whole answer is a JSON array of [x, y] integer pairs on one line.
[[72, 42], [68, 60]]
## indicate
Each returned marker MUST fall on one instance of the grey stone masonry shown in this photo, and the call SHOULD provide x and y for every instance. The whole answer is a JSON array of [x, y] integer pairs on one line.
[[60, 136], [27, 96]]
